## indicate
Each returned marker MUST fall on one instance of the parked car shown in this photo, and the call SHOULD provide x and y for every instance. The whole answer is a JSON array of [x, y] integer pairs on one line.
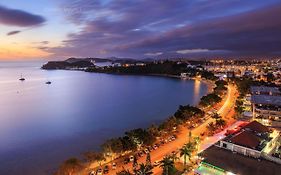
[[131, 158], [126, 160], [155, 146], [114, 166], [93, 173], [99, 171], [156, 163], [146, 151], [105, 169]]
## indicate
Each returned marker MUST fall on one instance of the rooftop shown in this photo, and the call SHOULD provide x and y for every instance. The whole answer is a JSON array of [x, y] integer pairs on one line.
[[256, 127], [266, 100], [247, 139], [237, 163], [265, 89], [253, 135]]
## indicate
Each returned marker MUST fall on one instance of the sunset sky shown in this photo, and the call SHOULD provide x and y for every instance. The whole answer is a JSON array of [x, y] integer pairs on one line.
[[56, 29]]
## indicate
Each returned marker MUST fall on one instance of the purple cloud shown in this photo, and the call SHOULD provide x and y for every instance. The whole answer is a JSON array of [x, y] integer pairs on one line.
[[13, 17], [194, 28], [13, 32]]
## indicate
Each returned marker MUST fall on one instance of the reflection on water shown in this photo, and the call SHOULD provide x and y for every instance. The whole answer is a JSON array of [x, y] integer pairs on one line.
[[41, 125], [197, 87]]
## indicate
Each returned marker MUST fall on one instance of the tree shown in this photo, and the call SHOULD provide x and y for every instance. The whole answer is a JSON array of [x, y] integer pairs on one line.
[[211, 127], [71, 166], [220, 123], [168, 166], [196, 141], [185, 152], [135, 163], [144, 170], [148, 159], [154, 130], [93, 156], [216, 116], [113, 146], [209, 99], [140, 136]]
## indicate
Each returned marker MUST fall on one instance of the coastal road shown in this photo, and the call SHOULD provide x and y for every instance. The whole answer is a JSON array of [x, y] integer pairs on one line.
[[226, 111]]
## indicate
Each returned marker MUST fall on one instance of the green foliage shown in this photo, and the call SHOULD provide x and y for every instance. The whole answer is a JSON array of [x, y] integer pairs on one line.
[[140, 136], [239, 105], [220, 87], [168, 166], [148, 160], [208, 75], [210, 99], [93, 156], [144, 170], [185, 112], [70, 166], [167, 67]]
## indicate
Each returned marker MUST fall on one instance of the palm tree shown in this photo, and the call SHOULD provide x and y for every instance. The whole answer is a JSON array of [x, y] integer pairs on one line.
[[185, 152], [211, 127], [168, 165], [148, 159], [220, 122], [144, 170], [196, 141], [216, 116], [190, 135], [135, 163], [70, 167]]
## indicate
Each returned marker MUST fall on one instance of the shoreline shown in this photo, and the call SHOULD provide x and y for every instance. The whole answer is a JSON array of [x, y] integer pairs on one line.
[[210, 84]]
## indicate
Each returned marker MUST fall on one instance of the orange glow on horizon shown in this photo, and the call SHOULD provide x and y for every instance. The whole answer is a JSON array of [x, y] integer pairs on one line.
[[12, 52]]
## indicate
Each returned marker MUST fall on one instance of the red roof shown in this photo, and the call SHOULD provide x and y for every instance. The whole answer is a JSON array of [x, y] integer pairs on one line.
[[246, 138], [256, 127]]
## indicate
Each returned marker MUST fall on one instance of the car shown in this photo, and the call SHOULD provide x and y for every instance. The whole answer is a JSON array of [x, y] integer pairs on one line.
[[155, 146], [126, 160], [140, 154], [105, 169], [99, 171], [156, 163], [93, 173], [131, 158], [114, 166], [146, 151]]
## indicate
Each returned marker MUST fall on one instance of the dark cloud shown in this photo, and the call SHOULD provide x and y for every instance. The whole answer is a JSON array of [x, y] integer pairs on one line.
[[182, 28], [13, 17], [13, 32]]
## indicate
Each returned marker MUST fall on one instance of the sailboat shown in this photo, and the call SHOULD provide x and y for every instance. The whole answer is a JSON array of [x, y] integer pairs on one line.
[[21, 78], [48, 82]]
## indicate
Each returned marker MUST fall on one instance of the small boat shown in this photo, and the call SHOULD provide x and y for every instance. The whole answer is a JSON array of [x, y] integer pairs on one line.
[[21, 78], [48, 82]]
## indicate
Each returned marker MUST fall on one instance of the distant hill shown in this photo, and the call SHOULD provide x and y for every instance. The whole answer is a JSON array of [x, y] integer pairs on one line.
[[80, 63], [68, 64], [98, 60]]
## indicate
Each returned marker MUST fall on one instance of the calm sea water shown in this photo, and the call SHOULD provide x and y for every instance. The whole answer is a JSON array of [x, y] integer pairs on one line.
[[41, 125]]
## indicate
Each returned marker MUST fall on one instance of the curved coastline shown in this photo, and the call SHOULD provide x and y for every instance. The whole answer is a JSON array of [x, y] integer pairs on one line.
[[210, 85]]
